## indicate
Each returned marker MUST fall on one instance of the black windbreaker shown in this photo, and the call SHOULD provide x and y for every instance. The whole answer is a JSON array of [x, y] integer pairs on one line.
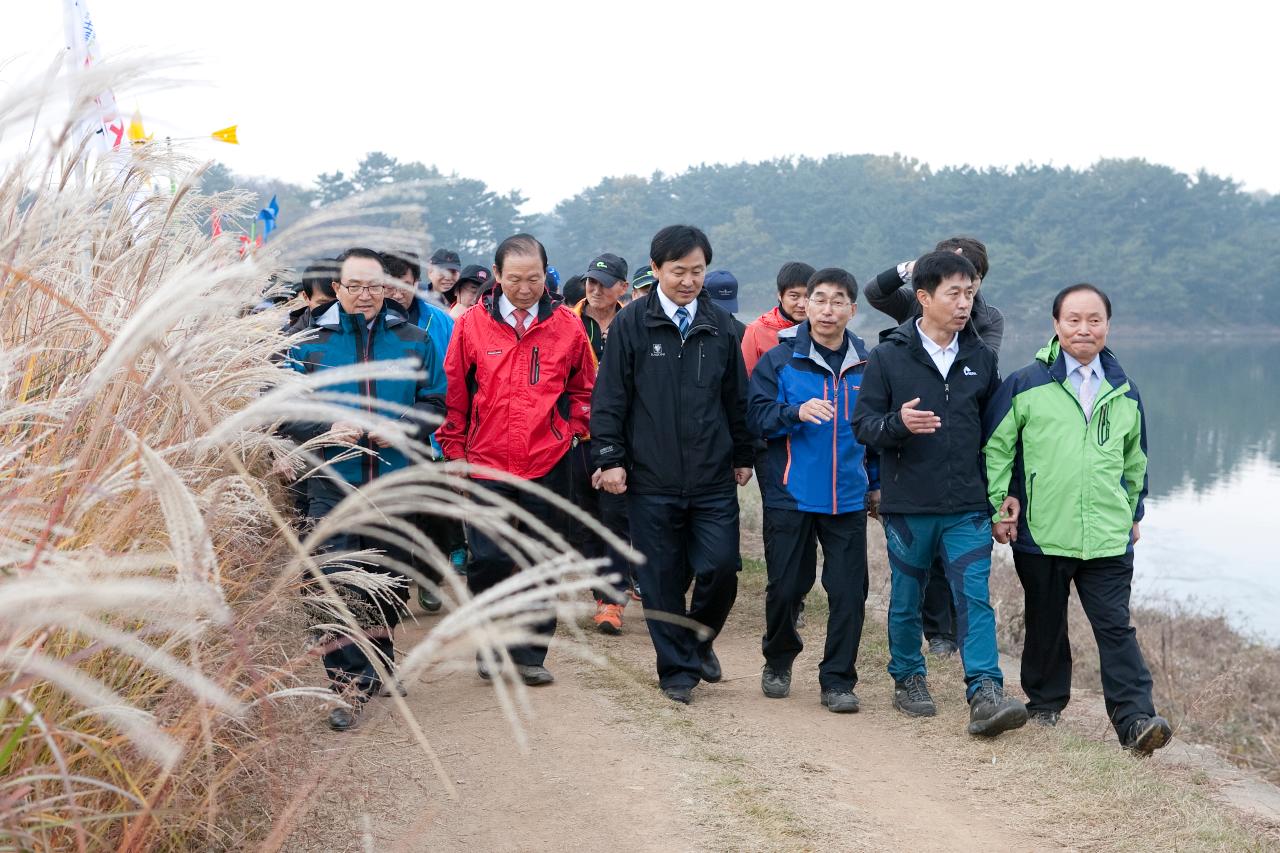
[[941, 472], [672, 413]]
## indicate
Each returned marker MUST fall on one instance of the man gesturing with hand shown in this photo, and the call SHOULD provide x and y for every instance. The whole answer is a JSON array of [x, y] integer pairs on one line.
[[921, 404]]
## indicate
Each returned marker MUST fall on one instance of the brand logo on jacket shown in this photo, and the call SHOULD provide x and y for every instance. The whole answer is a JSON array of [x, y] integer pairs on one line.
[[968, 372], [494, 352], [657, 350]]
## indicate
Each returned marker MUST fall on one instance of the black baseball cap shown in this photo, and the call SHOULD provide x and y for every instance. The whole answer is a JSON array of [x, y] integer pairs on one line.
[[480, 275], [644, 277], [607, 269], [446, 258]]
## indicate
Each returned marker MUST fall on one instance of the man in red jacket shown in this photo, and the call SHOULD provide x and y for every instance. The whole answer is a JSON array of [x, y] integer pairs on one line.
[[762, 335], [520, 372]]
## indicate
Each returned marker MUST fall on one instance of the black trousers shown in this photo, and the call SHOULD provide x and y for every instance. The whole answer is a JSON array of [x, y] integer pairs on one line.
[[611, 511], [1103, 586], [789, 536], [809, 559], [939, 608], [348, 666], [699, 532], [490, 564]]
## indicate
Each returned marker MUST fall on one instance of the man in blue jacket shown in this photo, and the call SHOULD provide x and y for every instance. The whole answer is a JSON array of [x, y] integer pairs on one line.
[[357, 329], [923, 395], [818, 483]]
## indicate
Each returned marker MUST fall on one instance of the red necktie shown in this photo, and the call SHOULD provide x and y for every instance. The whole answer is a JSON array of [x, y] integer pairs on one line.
[[521, 316]]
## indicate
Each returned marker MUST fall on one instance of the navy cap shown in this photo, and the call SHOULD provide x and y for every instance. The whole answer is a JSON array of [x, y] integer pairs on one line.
[[607, 269], [723, 288], [446, 258]]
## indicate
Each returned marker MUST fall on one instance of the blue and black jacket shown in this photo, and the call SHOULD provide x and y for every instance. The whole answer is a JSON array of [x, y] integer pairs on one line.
[[810, 467], [344, 339]]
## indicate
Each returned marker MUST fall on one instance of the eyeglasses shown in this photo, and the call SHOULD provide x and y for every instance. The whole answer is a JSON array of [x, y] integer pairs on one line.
[[355, 287], [836, 304]]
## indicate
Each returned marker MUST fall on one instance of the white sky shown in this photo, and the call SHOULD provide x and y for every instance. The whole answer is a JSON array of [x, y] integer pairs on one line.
[[549, 97]]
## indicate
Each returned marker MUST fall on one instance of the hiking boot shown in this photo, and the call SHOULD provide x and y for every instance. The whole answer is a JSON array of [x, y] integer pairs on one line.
[[385, 690], [428, 598], [941, 648], [534, 676], [775, 683], [458, 558], [608, 618], [912, 698], [634, 592], [841, 701], [991, 712], [711, 671], [1147, 734], [683, 695], [1047, 719], [343, 718]]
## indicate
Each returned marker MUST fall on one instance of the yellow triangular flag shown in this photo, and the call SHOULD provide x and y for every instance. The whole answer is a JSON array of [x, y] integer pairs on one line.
[[136, 133], [227, 134]]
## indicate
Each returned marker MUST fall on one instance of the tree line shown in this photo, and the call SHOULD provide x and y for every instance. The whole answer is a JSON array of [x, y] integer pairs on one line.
[[1169, 247]]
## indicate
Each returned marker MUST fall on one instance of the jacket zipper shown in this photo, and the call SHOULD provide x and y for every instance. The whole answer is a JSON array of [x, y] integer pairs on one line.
[[533, 367], [1104, 424], [1031, 492], [364, 343], [701, 356], [835, 432]]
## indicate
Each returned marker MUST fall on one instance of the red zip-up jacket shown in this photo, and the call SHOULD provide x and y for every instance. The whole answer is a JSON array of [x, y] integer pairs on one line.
[[516, 405], [762, 336]]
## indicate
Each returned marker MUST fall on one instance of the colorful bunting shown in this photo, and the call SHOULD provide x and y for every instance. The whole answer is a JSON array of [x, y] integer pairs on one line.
[[227, 135], [137, 135], [268, 216]]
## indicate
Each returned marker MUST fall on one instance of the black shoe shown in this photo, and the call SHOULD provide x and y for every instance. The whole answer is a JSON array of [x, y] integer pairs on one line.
[[343, 718], [1048, 719], [482, 668], [711, 672], [385, 691], [1147, 734], [941, 648], [683, 695], [428, 599], [841, 701], [775, 683], [534, 676], [912, 698], [991, 712]]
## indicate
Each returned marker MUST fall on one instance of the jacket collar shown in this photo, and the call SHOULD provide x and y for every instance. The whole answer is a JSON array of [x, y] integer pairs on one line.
[[545, 305], [1053, 358], [805, 348], [333, 316], [705, 318], [910, 336]]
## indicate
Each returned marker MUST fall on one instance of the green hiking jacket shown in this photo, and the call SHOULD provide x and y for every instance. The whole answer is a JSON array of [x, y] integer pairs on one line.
[[1081, 484]]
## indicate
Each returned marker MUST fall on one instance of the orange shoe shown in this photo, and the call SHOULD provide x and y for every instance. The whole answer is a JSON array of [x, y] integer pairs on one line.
[[608, 618]]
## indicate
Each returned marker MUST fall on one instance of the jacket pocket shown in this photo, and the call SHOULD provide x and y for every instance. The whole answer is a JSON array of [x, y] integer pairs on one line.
[[1031, 491], [555, 429], [534, 367]]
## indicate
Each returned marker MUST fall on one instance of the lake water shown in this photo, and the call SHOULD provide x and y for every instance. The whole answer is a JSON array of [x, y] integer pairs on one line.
[[1213, 441]]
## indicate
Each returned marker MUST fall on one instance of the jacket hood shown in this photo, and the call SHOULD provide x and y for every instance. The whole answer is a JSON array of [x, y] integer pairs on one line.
[[332, 316], [803, 346], [1052, 357]]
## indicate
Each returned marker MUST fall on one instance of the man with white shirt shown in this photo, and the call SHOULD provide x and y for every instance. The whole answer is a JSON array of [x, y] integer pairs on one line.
[[669, 430], [1067, 439], [920, 406], [520, 372]]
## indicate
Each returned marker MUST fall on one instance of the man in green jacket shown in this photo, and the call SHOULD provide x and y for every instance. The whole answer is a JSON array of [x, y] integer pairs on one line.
[[1066, 437]]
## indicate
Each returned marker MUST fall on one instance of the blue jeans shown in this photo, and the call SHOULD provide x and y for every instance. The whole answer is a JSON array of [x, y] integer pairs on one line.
[[963, 540]]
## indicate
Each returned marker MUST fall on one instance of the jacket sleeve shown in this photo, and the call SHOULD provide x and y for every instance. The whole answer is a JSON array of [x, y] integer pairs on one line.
[[611, 399], [992, 330], [751, 352], [1001, 426], [876, 423], [871, 461], [452, 434], [733, 396], [301, 431], [430, 391], [889, 294], [1135, 459], [768, 415], [582, 380]]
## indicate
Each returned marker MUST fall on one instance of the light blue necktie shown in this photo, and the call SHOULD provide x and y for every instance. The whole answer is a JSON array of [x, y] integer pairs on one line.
[[682, 320]]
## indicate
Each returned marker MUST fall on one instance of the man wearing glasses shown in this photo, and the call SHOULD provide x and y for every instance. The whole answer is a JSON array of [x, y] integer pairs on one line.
[[818, 483], [357, 329]]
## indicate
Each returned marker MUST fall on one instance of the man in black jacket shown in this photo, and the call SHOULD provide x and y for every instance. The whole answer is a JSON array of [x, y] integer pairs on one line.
[[893, 293], [921, 404], [668, 427]]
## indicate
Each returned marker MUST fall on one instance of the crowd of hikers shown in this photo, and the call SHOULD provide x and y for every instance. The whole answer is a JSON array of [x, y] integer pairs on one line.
[[645, 402]]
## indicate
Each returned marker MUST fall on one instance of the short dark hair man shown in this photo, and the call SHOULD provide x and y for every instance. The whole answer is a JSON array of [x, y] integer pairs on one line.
[[668, 428], [520, 374], [923, 395], [818, 484], [762, 334], [359, 328], [1067, 438]]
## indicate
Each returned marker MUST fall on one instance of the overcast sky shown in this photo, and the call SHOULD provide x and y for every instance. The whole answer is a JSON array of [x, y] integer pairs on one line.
[[549, 97]]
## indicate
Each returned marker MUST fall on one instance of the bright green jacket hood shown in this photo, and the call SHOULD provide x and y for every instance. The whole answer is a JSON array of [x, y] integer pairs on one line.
[[1081, 482]]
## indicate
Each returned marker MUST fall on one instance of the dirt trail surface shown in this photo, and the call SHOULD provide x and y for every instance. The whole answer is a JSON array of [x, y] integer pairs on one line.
[[613, 766]]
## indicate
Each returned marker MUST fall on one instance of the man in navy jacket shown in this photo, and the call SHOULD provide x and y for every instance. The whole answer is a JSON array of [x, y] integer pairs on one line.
[[818, 483]]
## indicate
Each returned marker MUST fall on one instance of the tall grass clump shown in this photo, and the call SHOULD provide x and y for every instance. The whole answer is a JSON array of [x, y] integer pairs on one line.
[[151, 654]]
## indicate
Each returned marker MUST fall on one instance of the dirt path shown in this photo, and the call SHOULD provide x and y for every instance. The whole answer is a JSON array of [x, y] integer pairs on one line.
[[613, 766]]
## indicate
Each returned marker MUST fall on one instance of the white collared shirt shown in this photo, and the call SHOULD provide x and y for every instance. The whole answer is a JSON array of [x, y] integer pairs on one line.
[[508, 311], [671, 308], [1094, 369], [943, 357]]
